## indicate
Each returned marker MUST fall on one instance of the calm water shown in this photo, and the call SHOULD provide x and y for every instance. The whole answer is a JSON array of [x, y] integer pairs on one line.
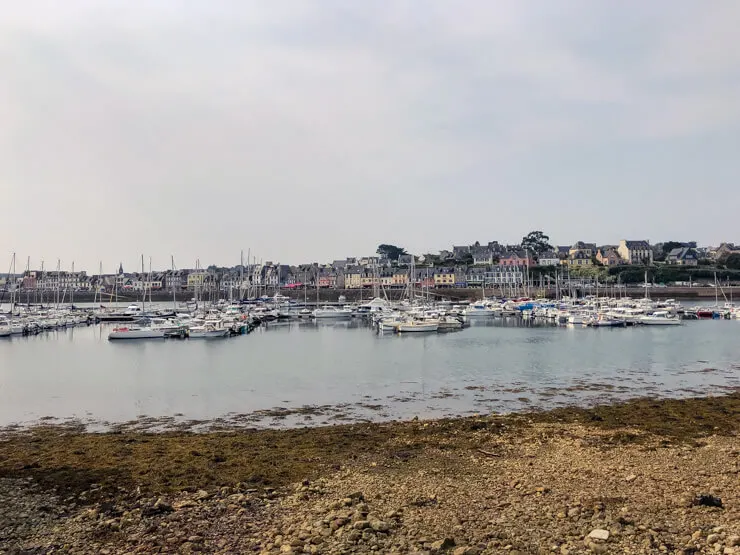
[[353, 373]]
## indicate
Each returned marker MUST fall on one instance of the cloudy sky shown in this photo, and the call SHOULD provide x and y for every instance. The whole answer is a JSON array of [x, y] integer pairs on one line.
[[313, 130]]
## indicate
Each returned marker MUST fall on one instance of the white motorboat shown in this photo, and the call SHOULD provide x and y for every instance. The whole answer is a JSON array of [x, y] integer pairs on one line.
[[208, 330], [659, 318], [5, 329], [606, 321], [579, 318], [479, 310], [331, 312], [418, 326], [17, 327], [390, 323], [136, 332]]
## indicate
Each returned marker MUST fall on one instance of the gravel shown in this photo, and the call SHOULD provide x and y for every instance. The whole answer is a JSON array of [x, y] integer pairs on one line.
[[563, 488]]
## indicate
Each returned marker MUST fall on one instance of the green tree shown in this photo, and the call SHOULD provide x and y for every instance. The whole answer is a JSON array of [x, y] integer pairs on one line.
[[668, 246], [536, 242], [391, 252], [733, 261]]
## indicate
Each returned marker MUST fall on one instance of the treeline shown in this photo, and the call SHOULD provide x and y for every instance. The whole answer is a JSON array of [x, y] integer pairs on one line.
[[636, 274]]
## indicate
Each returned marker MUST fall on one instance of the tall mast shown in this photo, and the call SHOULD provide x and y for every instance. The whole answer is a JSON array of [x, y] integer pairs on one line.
[[143, 297], [41, 282], [28, 271], [172, 282], [71, 288], [59, 271], [13, 283]]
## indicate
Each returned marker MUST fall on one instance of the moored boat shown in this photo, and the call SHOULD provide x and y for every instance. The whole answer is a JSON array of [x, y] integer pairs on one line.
[[418, 326], [136, 332], [659, 318]]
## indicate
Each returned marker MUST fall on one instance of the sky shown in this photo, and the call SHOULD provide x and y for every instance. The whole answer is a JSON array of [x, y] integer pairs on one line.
[[308, 130]]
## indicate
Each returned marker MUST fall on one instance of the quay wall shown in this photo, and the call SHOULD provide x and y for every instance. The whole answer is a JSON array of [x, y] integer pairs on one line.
[[356, 295]]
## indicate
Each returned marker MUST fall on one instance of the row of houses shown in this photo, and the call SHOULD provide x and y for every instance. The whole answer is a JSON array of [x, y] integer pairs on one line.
[[491, 263]]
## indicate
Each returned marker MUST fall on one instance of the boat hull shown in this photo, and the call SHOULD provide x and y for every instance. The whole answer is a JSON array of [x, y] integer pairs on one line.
[[135, 334], [208, 334], [417, 328]]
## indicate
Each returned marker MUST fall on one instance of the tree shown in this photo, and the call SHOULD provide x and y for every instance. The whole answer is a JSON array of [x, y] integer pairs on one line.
[[536, 242], [733, 261], [391, 252]]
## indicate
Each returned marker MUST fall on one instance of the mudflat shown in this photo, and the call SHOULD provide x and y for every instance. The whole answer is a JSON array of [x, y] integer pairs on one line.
[[647, 476]]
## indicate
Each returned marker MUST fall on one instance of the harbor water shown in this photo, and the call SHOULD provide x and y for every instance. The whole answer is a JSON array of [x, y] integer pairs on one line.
[[307, 373]]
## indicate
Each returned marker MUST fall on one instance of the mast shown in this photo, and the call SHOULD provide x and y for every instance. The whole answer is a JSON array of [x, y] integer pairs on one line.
[[241, 274], [41, 282], [143, 297], [13, 283], [97, 284], [716, 293], [71, 288], [646, 285], [59, 271], [28, 272], [174, 298]]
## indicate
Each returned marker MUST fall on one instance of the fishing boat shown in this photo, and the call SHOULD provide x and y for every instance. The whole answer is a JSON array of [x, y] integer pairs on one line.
[[136, 332], [659, 318]]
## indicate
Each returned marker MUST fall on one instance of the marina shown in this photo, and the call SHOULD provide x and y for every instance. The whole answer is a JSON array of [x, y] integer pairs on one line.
[[272, 362]]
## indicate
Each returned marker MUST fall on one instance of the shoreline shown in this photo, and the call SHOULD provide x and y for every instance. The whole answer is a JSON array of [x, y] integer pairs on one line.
[[523, 482]]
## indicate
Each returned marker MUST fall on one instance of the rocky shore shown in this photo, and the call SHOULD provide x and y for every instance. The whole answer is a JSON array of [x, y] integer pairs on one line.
[[641, 477]]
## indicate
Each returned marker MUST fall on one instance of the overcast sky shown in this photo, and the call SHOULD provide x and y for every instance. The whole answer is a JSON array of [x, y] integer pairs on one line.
[[309, 131]]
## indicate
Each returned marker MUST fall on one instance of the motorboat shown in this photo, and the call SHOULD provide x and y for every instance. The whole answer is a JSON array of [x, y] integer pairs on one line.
[[606, 321], [331, 312], [660, 318], [418, 326], [208, 330], [136, 332], [5, 329], [479, 310]]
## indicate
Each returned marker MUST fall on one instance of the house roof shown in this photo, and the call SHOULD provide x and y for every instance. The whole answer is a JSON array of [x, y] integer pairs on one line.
[[582, 245], [680, 253], [637, 244]]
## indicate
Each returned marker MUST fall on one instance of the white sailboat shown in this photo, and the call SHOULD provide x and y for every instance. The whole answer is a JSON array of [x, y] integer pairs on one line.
[[659, 318], [136, 332]]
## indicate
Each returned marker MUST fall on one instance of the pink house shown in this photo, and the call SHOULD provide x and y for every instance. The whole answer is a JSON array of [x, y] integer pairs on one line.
[[516, 259]]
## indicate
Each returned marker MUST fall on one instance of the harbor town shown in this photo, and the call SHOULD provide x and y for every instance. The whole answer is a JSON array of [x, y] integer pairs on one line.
[[607, 286]]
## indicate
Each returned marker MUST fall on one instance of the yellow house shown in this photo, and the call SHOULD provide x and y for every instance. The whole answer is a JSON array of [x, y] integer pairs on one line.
[[367, 281], [196, 279], [400, 279], [386, 281], [444, 278], [579, 259], [352, 280]]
